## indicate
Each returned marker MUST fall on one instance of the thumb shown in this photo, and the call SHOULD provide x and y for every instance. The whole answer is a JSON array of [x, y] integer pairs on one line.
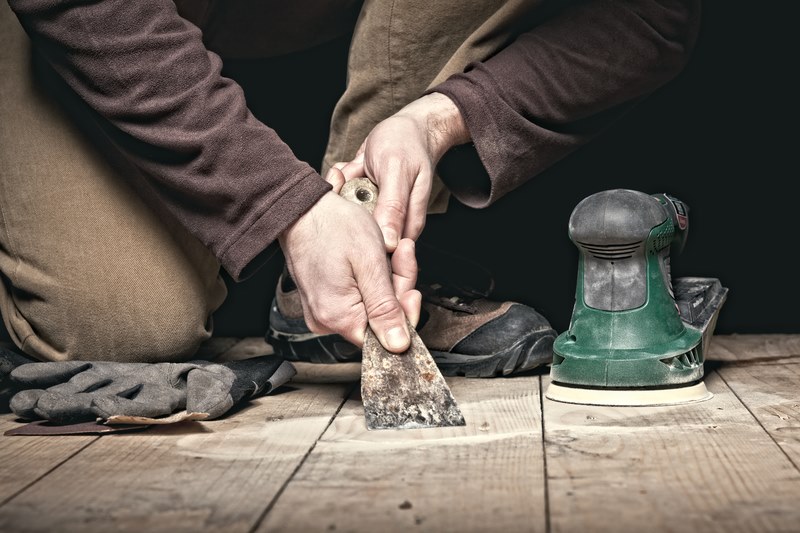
[[384, 312]]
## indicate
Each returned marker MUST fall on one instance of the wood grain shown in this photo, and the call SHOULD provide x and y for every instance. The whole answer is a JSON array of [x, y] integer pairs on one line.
[[699, 467], [306, 372], [772, 394], [754, 348], [245, 349], [211, 476], [485, 476], [25, 459]]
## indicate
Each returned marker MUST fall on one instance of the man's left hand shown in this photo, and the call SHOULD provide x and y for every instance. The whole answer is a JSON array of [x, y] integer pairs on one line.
[[400, 155]]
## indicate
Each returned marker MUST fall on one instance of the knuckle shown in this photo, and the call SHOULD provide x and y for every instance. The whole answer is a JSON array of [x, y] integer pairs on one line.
[[394, 208], [325, 318], [337, 320], [383, 309]]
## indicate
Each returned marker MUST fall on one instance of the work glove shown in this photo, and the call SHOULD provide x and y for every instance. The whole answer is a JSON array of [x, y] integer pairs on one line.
[[78, 391], [9, 361]]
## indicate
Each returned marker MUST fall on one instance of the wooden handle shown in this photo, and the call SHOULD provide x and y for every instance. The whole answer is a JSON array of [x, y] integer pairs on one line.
[[361, 191]]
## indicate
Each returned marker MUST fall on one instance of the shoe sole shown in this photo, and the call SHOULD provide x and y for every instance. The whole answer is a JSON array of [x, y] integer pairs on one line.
[[528, 354], [310, 348]]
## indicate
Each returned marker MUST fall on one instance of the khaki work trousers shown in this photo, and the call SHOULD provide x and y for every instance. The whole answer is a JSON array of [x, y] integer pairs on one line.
[[89, 272]]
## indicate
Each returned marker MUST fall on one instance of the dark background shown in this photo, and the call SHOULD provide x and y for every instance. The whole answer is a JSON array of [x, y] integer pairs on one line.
[[717, 137]]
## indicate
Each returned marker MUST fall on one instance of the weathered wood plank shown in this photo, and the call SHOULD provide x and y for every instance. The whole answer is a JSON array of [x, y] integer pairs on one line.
[[699, 467], [24, 459], [754, 348], [245, 349], [306, 372], [212, 476], [772, 394], [485, 476]]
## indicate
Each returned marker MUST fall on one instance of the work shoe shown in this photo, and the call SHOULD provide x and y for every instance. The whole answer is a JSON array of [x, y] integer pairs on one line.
[[466, 333]]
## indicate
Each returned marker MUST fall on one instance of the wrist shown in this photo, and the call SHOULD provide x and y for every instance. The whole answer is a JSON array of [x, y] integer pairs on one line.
[[303, 225], [441, 121]]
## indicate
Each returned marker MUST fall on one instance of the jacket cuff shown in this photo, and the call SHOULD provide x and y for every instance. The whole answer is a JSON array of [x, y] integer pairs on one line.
[[258, 243]]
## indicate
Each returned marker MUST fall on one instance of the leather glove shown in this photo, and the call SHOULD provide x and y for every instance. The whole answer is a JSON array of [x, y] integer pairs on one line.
[[78, 391]]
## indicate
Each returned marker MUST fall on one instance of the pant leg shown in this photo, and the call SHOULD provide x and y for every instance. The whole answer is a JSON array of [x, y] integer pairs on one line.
[[400, 48], [88, 271]]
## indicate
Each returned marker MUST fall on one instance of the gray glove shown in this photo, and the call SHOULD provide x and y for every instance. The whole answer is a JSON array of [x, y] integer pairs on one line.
[[9, 361], [77, 391]]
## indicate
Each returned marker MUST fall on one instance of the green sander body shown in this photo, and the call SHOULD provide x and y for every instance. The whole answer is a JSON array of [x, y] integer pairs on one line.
[[635, 337]]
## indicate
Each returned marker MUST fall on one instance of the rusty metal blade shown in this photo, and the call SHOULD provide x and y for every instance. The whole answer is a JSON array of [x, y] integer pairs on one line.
[[400, 391], [405, 391]]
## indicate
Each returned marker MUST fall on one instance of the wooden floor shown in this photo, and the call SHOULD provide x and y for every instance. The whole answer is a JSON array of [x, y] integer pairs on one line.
[[303, 460]]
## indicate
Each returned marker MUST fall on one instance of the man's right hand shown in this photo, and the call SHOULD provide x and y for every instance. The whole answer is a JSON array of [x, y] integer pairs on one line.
[[336, 256]]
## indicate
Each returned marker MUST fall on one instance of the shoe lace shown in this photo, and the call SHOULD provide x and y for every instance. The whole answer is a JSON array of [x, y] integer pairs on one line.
[[449, 296], [451, 281]]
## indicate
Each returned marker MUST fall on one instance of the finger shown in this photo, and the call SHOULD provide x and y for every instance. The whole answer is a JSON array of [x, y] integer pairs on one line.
[[404, 279], [23, 403], [45, 375], [384, 312], [65, 408], [354, 169], [335, 178], [392, 206], [404, 267], [151, 401], [417, 209], [411, 302]]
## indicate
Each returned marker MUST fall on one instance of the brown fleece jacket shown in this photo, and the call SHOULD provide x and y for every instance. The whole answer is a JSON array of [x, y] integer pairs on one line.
[[201, 156]]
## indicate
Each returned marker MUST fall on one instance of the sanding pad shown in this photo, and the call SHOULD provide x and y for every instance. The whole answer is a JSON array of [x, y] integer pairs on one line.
[[629, 397]]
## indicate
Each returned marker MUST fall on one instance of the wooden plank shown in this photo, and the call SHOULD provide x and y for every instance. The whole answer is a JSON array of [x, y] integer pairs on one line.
[[772, 394], [306, 372], [706, 466], [212, 476], [25, 459], [754, 348], [245, 349], [485, 476]]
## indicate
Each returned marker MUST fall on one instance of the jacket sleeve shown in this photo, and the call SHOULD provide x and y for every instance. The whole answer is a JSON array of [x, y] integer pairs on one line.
[[561, 83], [184, 130]]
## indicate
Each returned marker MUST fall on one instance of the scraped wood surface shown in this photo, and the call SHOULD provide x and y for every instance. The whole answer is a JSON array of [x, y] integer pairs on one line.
[[302, 460], [485, 476]]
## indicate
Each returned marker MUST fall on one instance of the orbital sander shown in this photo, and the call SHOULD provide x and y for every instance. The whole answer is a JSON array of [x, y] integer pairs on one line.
[[636, 337]]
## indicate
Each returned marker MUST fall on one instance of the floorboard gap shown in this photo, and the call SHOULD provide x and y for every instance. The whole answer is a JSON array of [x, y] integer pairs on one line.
[[544, 461]]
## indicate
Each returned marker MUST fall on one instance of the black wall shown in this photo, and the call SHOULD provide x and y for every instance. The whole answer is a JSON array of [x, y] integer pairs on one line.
[[718, 137]]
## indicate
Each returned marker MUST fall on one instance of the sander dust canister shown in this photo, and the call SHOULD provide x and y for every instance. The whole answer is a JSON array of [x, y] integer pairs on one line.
[[636, 336]]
